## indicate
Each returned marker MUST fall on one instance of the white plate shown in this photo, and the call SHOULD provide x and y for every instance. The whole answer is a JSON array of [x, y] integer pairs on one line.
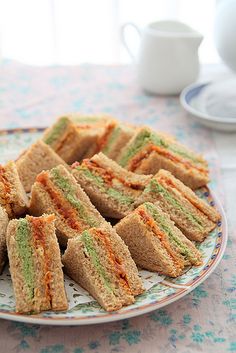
[[159, 295], [210, 104]]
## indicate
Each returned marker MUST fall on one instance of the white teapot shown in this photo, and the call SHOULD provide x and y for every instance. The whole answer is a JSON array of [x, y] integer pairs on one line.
[[168, 56]]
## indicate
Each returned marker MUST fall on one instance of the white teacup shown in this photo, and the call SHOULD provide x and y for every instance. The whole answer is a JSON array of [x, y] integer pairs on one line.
[[168, 56]]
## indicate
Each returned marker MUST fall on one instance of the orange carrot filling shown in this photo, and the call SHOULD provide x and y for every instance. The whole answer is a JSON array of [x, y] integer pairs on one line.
[[136, 161], [62, 206], [161, 236], [39, 240], [101, 142], [117, 263], [5, 194]]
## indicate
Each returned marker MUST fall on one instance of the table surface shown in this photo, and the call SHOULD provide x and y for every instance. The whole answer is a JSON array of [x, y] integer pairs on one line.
[[204, 320]]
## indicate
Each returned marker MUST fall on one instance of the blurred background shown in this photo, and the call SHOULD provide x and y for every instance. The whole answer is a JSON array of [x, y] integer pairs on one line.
[[47, 32]]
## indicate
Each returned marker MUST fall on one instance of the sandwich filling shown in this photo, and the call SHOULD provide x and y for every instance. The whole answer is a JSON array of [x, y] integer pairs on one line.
[[89, 238], [5, 193], [63, 195], [153, 218], [158, 188], [88, 120], [30, 240], [57, 131], [24, 247], [103, 139], [39, 236], [147, 142], [108, 181]]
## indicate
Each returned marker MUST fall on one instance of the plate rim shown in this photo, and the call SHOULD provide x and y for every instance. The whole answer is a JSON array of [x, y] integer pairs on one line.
[[204, 116], [134, 312]]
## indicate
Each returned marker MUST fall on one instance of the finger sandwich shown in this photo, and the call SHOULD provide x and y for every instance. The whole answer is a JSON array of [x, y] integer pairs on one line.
[[149, 151], [155, 243], [111, 188], [101, 263], [35, 265]]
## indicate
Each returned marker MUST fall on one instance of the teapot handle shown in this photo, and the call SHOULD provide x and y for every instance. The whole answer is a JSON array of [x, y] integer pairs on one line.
[[123, 37]]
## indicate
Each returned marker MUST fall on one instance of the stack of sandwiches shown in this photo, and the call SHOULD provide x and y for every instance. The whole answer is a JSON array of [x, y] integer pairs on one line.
[[35, 265], [86, 171]]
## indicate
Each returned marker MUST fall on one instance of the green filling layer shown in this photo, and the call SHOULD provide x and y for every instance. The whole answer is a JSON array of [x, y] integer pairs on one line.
[[86, 119], [154, 186], [113, 193], [140, 141], [111, 140], [26, 254], [145, 137], [89, 247], [163, 224], [69, 191], [56, 131]]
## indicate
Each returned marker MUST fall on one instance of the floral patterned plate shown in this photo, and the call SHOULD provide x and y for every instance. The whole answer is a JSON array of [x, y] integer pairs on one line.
[[87, 311]]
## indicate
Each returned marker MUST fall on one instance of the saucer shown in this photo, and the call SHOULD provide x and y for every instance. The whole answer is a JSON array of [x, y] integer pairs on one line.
[[212, 104]]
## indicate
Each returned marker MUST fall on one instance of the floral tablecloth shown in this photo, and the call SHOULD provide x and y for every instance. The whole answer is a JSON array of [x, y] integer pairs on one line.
[[204, 320]]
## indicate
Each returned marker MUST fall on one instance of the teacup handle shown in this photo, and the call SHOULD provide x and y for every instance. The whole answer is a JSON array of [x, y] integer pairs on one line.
[[123, 37]]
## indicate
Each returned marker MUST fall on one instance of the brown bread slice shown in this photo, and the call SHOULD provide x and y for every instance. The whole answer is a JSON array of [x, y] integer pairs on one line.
[[151, 243], [12, 194], [101, 263], [48, 197], [35, 265], [3, 229], [191, 214], [36, 158], [111, 188]]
